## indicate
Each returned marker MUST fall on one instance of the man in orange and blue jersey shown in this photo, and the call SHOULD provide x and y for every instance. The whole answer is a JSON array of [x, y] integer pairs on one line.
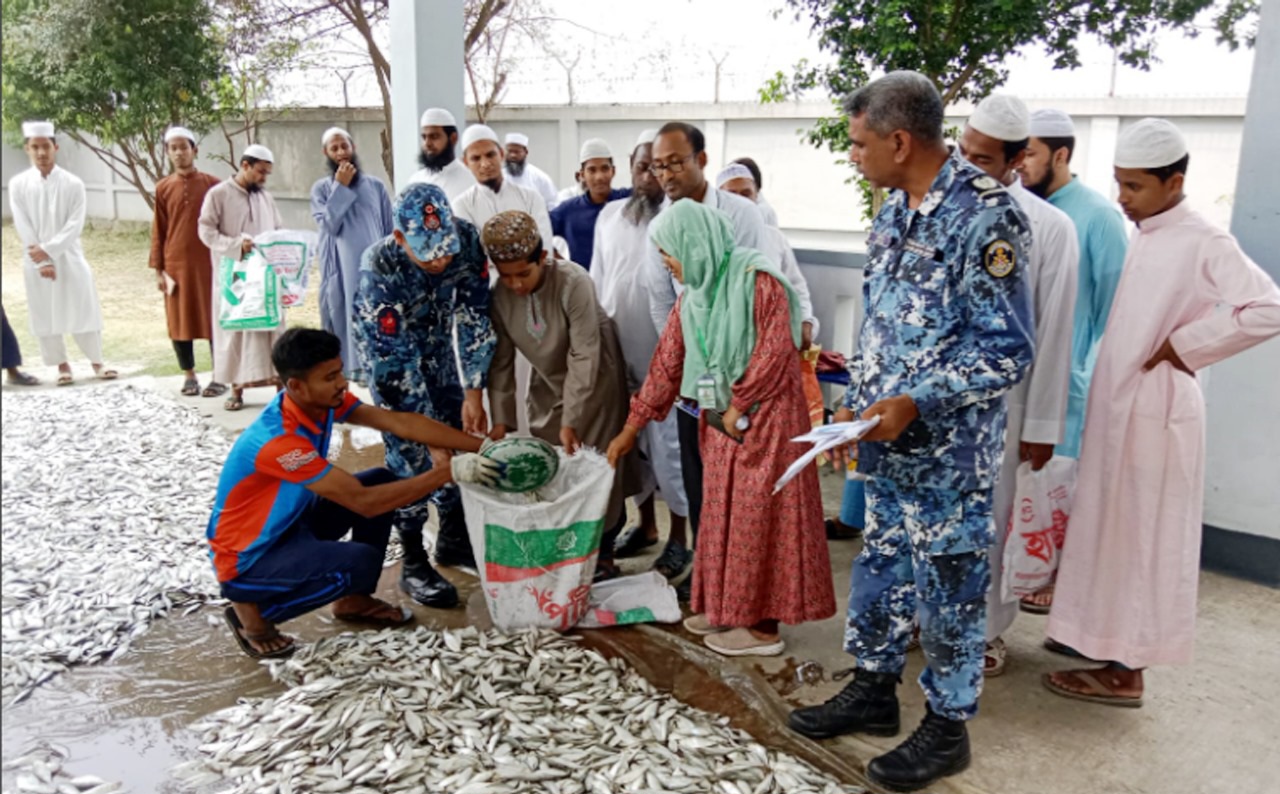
[[281, 506]]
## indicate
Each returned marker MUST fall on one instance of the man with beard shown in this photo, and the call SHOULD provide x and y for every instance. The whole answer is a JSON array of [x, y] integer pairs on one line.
[[619, 257], [482, 154], [575, 219], [679, 163], [184, 274], [232, 214], [421, 288], [526, 174], [440, 165], [1103, 243], [353, 211]]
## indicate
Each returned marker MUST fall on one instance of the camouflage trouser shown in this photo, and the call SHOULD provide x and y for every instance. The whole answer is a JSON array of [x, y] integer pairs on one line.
[[925, 553], [443, 403]]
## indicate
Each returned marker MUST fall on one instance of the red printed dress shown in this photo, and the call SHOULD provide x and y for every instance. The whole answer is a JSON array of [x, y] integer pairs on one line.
[[759, 556]]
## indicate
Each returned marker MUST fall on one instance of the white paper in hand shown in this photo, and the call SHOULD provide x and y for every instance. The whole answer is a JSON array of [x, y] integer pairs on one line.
[[824, 438]]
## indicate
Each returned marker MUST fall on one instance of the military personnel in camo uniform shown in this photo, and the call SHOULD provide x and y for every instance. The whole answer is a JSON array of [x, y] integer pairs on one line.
[[947, 331], [426, 281]]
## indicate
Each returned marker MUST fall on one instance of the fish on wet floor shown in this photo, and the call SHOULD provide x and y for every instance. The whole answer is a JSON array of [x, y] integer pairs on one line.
[[40, 771], [476, 712]]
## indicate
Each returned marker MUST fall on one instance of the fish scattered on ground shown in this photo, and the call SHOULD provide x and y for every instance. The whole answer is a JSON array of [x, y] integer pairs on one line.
[[105, 497], [39, 771], [478, 712]]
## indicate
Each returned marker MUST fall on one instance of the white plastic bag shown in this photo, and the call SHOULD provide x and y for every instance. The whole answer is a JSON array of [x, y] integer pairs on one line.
[[1041, 511], [644, 598], [537, 554]]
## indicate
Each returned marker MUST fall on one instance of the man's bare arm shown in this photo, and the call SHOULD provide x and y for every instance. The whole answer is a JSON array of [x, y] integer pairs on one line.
[[373, 500], [414, 427]]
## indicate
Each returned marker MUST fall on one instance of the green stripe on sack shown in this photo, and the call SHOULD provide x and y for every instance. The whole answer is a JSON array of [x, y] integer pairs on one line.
[[540, 547]]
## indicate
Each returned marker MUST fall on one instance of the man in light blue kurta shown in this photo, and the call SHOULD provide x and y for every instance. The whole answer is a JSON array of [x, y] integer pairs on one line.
[[353, 211], [1103, 244]]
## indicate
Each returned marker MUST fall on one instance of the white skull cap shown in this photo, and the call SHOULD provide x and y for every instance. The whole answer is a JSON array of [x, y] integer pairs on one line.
[[1052, 123], [1150, 143], [1003, 117]]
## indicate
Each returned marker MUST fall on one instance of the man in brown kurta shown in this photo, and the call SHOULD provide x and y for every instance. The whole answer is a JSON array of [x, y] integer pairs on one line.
[[234, 212], [578, 390], [184, 273]]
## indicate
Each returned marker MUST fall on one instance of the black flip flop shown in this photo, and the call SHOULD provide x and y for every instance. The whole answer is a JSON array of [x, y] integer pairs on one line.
[[373, 620], [214, 389], [190, 388], [237, 631], [631, 542]]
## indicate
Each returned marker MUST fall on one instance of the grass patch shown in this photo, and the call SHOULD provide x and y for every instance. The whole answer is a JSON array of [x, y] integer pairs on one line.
[[135, 334]]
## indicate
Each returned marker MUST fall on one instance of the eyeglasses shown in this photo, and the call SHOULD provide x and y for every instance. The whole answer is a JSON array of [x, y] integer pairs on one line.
[[658, 169]]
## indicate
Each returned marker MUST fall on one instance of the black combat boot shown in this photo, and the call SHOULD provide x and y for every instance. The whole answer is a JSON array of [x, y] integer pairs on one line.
[[453, 544], [867, 704], [938, 748], [418, 579]]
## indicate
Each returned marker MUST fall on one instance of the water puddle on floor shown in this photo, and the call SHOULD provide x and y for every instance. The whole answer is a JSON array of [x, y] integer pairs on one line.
[[127, 719]]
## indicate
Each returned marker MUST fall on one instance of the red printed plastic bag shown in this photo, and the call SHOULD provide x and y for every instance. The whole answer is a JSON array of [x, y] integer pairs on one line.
[[1038, 526]]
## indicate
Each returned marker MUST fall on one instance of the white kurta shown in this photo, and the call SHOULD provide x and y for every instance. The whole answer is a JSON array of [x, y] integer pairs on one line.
[[779, 251], [454, 179], [1038, 404], [478, 204], [229, 216], [49, 212], [1127, 582], [618, 266], [767, 211], [535, 179]]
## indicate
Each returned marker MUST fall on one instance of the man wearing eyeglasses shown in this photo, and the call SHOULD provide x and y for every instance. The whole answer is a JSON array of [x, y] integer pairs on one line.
[[679, 163]]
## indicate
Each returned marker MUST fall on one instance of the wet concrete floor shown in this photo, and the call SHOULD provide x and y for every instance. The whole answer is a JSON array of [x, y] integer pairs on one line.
[[127, 719]]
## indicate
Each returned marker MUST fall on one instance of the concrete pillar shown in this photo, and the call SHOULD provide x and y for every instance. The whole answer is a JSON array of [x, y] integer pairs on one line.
[[427, 67], [1104, 131], [1243, 430]]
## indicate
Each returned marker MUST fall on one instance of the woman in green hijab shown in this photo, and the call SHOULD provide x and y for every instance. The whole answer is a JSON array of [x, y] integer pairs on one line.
[[729, 349]]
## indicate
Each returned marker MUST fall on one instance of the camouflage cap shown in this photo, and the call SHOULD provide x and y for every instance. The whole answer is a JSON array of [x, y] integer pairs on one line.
[[511, 236], [422, 214]]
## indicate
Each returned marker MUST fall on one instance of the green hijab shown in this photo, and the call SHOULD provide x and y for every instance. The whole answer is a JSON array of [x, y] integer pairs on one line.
[[717, 310]]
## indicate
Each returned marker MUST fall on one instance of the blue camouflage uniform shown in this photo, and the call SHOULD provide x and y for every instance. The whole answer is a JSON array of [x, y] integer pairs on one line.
[[948, 321], [404, 324]]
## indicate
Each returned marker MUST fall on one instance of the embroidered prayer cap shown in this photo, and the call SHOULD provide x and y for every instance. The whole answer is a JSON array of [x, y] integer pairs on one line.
[[1150, 143], [511, 236], [179, 132], [1003, 117], [437, 117], [258, 152], [733, 171], [519, 139], [594, 148], [476, 133], [37, 129], [332, 131], [1052, 123], [646, 137], [423, 215]]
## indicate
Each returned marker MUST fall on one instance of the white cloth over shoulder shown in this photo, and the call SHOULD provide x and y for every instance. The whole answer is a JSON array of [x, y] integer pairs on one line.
[[49, 212]]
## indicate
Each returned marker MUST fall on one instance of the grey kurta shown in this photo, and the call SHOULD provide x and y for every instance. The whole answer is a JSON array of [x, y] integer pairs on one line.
[[230, 215], [579, 376]]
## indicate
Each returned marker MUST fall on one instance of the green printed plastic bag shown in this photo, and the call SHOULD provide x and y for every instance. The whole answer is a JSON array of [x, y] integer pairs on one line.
[[249, 292]]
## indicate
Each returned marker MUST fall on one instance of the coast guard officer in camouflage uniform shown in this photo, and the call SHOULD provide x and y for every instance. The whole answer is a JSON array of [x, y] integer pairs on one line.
[[947, 331], [418, 286]]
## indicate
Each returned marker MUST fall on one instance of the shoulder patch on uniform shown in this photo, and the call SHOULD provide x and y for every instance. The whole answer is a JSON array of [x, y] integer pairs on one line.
[[389, 321], [295, 459], [999, 258], [984, 182]]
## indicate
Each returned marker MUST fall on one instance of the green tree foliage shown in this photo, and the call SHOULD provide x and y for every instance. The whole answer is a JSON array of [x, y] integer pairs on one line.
[[962, 45]]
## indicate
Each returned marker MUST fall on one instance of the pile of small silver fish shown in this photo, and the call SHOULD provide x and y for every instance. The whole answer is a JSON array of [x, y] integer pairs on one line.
[[105, 497], [40, 771], [472, 712]]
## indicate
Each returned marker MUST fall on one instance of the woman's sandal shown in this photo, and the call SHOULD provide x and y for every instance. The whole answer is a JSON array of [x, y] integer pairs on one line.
[[1028, 602], [65, 379], [1097, 691], [246, 639], [105, 374]]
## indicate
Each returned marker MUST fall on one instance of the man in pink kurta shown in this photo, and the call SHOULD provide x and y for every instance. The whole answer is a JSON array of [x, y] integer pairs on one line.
[[1188, 298]]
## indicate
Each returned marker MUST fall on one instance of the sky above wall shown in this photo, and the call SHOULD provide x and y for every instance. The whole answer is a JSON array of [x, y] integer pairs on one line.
[[665, 51]]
